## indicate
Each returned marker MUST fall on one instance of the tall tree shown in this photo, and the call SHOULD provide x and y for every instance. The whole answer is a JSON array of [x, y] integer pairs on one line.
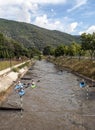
[[88, 43], [72, 49], [47, 50], [59, 51]]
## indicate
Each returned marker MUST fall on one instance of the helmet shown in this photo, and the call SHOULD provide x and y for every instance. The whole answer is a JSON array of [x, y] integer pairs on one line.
[[33, 83]]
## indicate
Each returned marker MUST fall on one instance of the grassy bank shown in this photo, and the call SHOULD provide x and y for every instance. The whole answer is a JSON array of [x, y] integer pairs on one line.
[[7, 64], [83, 66]]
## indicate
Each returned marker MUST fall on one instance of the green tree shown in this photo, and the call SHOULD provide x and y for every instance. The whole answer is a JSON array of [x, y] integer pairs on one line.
[[59, 51], [88, 43], [93, 43], [79, 51], [66, 50], [72, 49], [47, 50], [1, 38]]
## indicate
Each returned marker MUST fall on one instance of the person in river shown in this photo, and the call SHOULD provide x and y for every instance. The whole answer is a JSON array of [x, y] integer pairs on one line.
[[82, 83], [20, 89], [33, 84], [19, 86]]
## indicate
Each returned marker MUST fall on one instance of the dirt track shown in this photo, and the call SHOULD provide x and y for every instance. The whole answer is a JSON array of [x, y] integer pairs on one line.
[[57, 103]]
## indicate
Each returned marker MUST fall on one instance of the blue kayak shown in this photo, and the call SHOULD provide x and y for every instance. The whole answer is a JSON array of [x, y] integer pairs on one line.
[[21, 93], [82, 84], [20, 90], [17, 87]]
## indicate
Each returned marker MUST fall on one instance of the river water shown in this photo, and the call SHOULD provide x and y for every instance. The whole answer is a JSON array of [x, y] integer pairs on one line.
[[57, 103]]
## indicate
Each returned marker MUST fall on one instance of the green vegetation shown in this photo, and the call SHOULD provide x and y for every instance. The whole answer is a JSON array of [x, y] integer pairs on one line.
[[30, 35], [25, 41], [12, 49], [7, 64], [85, 48], [88, 43], [16, 69], [18, 40], [77, 57], [25, 64], [84, 66]]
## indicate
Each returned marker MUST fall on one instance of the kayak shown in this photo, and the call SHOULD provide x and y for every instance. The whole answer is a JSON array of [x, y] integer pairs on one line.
[[33, 86], [21, 93], [82, 84], [17, 87], [20, 90]]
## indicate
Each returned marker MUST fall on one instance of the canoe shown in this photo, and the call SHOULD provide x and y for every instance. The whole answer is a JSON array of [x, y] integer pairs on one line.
[[82, 84]]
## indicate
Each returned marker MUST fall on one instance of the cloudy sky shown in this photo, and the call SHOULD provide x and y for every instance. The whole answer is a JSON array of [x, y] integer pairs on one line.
[[70, 16]]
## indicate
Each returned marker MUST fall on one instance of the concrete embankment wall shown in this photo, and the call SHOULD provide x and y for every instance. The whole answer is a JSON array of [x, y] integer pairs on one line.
[[7, 77]]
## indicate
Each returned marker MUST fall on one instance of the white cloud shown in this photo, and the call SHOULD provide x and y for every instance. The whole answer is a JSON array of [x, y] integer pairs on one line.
[[45, 22], [41, 20], [73, 26], [48, 1], [12, 2], [70, 27], [19, 10], [90, 30], [78, 4]]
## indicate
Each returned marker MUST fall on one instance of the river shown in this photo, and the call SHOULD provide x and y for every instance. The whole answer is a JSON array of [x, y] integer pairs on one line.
[[57, 103]]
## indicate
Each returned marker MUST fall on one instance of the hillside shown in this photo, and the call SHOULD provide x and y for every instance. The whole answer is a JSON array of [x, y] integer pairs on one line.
[[32, 36]]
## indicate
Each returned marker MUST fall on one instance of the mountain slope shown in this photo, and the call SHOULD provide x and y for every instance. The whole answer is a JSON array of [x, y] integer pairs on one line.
[[30, 35]]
